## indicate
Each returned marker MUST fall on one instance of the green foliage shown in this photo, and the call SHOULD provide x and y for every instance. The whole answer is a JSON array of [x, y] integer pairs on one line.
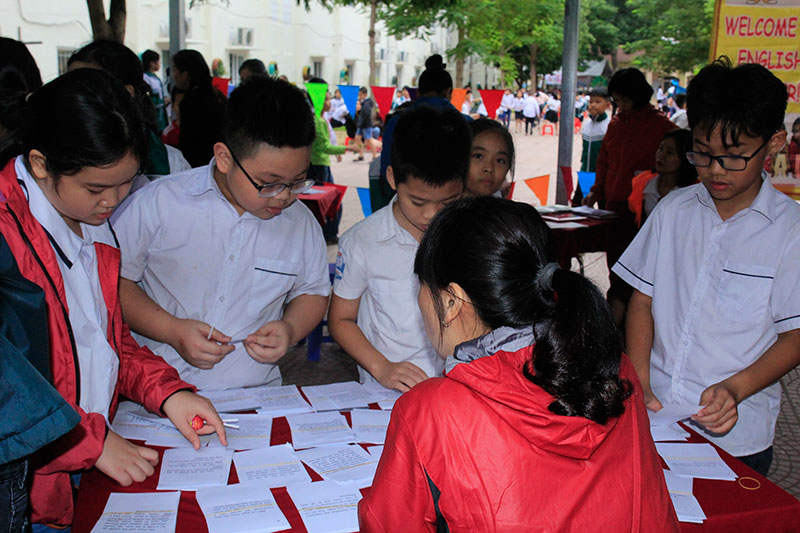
[[675, 35]]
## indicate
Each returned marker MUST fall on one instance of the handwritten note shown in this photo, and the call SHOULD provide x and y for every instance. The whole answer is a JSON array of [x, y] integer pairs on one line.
[[147, 512], [319, 429], [342, 464], [670, 432], [279, 401], [189, 469], [239, 508], [254, 431], [275, 467], [683, 501], [337, 396], [694, 460], [131, 426], [326, 506], [370, 425], [231, 400]]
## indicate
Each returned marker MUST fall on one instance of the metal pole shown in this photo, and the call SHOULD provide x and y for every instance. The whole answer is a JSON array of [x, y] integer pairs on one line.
[[569, 75], [177, 26]]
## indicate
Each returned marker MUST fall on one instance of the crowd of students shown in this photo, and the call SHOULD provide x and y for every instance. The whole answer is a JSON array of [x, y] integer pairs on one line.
[[520, 408]]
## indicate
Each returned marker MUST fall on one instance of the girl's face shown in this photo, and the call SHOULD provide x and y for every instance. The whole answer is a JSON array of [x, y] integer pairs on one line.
[[490, 161], [624, 104], [180, 78], [91, 194], [668, 160]]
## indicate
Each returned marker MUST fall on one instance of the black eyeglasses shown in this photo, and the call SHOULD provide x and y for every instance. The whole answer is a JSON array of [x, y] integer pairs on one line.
[[728, 162], [270, 190]]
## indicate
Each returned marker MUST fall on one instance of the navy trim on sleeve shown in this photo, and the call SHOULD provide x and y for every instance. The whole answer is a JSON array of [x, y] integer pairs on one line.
[[634, 274], [787, 318]]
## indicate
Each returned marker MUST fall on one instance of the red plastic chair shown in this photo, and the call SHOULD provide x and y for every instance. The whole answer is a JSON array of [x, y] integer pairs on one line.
[[578, 125], [549, 127]]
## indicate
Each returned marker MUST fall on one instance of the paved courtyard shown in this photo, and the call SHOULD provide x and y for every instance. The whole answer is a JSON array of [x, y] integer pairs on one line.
[[536, 156]]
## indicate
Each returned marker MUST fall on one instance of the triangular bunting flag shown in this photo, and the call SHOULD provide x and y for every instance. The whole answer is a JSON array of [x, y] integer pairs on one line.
[[511, 190], [413, 93], [457, 98], [366, 203], [317, 91], [566, 175], [540, 186], [350, 97], [586, 180], [221, 84], [383, 97], [491, 100]]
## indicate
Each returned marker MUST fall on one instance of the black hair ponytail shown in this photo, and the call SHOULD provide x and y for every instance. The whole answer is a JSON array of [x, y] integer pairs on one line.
[[19, 75], [502, 254]]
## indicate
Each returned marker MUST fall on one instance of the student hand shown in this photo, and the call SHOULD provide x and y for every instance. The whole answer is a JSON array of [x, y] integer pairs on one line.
[[590, 199], [270, 342], [183, 406], [190, 340], [650, 401], [719, 413], [400, 376], [125, 462]]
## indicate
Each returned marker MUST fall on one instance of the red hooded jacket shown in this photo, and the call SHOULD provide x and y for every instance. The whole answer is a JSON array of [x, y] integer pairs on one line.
[[483, 438], [143, 377]]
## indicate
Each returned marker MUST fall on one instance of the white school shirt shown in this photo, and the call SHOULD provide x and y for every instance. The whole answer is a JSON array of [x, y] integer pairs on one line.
[[98, 363], [519, 103], [530, 107], [507, 102], [192, 253], [376, 264], [722, 292]]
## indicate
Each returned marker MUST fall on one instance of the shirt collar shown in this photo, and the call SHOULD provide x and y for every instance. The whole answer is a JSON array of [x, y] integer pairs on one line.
[[504, 338], [764, 202], [390, 228], [66, 243]]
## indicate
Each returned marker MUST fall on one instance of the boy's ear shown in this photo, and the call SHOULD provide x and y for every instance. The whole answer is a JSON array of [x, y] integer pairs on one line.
[[223, 158], [390, 177], [777, 142], [38, 164]]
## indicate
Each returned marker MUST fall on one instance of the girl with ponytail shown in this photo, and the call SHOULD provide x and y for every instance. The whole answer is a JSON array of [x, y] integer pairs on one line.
[[539, 422]]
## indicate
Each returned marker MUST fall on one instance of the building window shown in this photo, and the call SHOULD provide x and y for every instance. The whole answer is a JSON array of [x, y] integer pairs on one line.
[[235, 61], [350, 67], [316, 68], [63, 56]]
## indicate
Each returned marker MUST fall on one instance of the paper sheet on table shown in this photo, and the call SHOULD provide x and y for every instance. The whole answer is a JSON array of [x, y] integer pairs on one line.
[[131, 426], [255, 431], [169, 437], [132, 408], [276, 466], [671, 413], [154, 512], [319, 429], [378, 392], [337, 396], [562, 218], [279, 401], [232, 400], [387, 405], [592, 212], [565, 225], [680, 492], [241, 508], [375, 451], [694, 460], [326, 506], [189, 469], [552, 208], [343, 464], [370, 425], [670, 432]]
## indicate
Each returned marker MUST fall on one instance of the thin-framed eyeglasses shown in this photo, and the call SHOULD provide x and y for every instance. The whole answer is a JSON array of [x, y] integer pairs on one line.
[[728, 162], [270, 190]]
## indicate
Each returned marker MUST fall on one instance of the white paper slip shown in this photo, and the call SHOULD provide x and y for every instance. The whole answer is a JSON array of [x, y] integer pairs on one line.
[[319, 429], [343, 464], [670, 432], [189, 469], [387, 405], [241, 508], [279, 401], [275, 467], [378, 392], [376, 452], [131, 426], [232, 400], [671, 413], [680, 484], [255, 431], [337, 396], [687, 508], [135, 409], [552, 208], [694, 460], [564, 225], [154, 512], [592, 212], [562, 218], [370, 425], [327, 507], [169, 437]]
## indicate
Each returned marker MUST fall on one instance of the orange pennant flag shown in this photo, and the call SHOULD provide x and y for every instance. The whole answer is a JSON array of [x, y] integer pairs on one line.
[[540, 186], [457, 98]]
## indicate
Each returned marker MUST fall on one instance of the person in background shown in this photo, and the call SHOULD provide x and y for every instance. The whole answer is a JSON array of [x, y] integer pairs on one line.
[[491, 158], [202, 110], [628, 147], [526, 431], [530, 111], [506, 108], [151, 63], [364, 131], [250, 68], [593, 130], [793, 151], [519, 105], [679, 116]]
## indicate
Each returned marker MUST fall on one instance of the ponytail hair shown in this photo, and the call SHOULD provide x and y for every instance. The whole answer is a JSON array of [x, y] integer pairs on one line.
[[19, 75], [502, 254], [84, 118], [435, 79]]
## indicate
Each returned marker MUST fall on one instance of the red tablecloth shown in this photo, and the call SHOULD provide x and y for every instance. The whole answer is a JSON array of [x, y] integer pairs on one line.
[[592, 237], [324, 201], [728, 505]]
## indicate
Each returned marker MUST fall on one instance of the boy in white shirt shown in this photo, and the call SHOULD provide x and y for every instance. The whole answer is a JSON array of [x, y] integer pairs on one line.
[[714, 319], [374, 313], [222, 269]]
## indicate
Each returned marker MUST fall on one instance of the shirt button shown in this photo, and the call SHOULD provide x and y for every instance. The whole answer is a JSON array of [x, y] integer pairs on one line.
[[231, 257], [221, 298]]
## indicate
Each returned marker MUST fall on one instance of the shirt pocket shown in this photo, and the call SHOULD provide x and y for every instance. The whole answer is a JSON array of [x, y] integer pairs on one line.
[[744, 291], [396, 305], [272, 280]]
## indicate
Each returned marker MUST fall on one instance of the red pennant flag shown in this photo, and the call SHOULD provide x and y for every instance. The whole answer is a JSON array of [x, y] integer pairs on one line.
[[566, 175], [491, 100], [221, 84], [383, 97], [540, 186]]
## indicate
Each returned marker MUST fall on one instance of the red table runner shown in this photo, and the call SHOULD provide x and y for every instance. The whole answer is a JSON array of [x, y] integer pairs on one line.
[[325, 201]]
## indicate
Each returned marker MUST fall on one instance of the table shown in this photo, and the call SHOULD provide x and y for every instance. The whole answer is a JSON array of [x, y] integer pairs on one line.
[[324, 201], [729, 505], [593, 236]]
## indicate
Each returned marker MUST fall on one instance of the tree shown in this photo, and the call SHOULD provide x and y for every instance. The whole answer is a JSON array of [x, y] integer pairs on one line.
[[675, 36], [112, 28]]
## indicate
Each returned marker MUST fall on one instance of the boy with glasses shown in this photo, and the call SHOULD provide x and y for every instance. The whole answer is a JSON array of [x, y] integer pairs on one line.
[[714, 319], [222, 269]]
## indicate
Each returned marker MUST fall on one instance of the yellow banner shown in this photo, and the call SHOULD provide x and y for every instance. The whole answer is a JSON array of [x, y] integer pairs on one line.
[[765, 32]]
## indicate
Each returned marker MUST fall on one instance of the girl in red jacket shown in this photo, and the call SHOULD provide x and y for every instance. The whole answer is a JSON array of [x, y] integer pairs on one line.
[[82, 144], [539, 423]]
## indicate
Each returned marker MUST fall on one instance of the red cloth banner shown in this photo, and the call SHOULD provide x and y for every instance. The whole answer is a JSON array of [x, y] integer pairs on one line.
[[383, 97], [491, 100], [566, 175]]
